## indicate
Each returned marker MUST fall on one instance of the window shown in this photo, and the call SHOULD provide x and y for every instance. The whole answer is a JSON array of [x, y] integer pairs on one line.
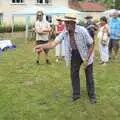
[[43, 1], [17, 1]]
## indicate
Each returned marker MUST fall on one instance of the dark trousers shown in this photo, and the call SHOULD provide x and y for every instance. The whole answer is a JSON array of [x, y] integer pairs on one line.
[[76, 62], [114, 44]]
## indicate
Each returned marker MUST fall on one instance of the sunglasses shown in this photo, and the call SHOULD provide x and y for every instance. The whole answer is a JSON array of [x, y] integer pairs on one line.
[[39, 15]]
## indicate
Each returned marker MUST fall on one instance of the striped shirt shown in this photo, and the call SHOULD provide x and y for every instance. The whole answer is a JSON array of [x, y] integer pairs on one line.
[[82, 39]]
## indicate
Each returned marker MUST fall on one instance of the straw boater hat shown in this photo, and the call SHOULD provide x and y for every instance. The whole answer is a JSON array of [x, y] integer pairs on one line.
[[58, 19], [69, 17]]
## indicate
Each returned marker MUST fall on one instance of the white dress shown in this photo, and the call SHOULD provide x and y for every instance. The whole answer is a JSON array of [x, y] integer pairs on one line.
[[103, 49], [60, 48]]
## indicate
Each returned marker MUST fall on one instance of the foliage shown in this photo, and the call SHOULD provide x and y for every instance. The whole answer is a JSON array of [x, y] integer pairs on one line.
[[8, 28], [5, 29], [81, 22], [19, 27], [107, 3], [117, 4]]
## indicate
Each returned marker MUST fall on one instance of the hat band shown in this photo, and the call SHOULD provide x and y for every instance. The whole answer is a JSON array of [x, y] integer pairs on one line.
[[68, 17]]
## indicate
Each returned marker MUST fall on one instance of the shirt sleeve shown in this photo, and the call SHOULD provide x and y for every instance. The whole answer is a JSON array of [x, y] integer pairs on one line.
[[87, 37], [60, 37]]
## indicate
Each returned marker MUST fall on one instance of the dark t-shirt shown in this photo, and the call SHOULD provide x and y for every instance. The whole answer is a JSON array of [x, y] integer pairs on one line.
[[72, 42], [91, 27]]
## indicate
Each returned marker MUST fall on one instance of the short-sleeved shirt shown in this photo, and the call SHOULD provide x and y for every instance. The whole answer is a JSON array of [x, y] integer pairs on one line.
[[90, 26], [82, 39], [114, 25], [42, 25]]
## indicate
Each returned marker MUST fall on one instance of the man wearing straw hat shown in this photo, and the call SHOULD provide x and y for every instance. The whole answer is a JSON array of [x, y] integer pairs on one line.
[[78, 50]]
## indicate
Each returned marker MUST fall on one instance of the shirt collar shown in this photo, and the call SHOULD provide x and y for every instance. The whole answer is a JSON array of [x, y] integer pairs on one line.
[[76, 29]]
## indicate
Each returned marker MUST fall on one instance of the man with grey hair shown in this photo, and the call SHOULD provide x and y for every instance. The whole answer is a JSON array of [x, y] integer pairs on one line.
[[114, 25]]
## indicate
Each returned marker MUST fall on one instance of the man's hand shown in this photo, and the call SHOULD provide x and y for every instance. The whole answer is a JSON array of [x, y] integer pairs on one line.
[[38, 48], [85, 62], [49, 45]]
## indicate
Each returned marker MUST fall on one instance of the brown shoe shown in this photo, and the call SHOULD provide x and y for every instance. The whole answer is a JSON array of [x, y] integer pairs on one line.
[[92, 100], [37, 61], [48, 62], [75, 98]]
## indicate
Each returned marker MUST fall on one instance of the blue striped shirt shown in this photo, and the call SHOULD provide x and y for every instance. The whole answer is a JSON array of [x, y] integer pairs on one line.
[[82, 39]]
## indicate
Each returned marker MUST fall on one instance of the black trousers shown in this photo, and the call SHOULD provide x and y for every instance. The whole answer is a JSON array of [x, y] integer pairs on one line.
[[76, 62]]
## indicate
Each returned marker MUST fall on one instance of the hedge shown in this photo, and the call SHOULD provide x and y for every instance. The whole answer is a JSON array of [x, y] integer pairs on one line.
[[8, 28]]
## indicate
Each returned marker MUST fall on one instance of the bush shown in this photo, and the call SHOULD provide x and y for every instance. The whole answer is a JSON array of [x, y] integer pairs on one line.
[[17, 28], [2, 29], [82, 23]]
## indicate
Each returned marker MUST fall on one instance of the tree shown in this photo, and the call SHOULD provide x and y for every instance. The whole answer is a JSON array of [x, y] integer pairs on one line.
[[107, 3], [117, 4]]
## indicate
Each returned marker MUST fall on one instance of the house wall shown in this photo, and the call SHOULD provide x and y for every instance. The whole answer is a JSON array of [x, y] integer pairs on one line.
[[7, 7]]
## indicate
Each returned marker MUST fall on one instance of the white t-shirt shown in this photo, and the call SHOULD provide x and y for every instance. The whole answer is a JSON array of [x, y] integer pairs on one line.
[[42, 25]]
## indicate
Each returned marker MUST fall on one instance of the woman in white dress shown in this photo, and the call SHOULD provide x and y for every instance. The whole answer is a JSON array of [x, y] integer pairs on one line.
[[103, 36], [60, 49]]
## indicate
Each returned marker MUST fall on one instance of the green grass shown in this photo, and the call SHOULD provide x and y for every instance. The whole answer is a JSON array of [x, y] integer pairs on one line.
[[43, 92]]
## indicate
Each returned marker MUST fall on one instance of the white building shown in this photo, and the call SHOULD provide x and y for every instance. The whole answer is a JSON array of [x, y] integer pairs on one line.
[[7, 7]]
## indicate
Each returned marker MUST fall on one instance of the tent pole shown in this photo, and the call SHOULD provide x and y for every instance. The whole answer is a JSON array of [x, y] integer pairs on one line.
[[12, 23], [26, 27]]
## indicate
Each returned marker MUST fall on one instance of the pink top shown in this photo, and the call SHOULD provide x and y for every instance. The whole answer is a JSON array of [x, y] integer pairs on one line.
[[60, 27]]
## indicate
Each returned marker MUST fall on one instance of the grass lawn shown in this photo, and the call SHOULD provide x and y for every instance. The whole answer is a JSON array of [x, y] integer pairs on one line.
[[43, 92]]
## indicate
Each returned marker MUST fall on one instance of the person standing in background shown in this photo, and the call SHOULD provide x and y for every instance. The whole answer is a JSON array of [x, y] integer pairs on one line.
[[91, 26], [114, 24], [103, 37], [42, 29], [59, 49]]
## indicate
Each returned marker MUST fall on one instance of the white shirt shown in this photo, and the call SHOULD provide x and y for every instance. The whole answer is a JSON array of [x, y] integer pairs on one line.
[[42, 25]]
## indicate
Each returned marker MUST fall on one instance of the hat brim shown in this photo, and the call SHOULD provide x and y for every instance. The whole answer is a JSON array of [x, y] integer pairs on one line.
[[88, 17], [58, 19], [68, 18]]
